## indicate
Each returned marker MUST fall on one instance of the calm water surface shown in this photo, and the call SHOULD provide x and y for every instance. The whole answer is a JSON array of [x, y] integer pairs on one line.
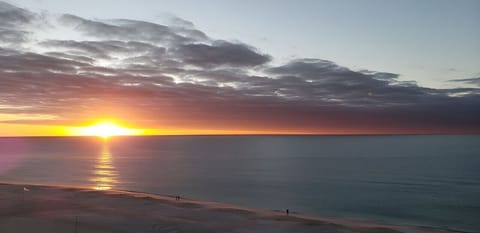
[[420, 180]]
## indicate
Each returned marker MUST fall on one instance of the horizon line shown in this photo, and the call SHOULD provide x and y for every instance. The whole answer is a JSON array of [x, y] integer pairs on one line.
[[255, 134]]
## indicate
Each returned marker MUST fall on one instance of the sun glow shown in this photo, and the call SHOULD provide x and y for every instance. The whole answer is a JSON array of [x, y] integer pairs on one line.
[[106, 130]]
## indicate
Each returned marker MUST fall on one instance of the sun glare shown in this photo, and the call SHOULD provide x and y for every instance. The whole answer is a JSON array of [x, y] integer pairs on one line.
[[106, 130]]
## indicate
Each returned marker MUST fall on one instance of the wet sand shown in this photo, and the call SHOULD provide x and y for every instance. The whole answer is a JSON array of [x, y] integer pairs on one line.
[[51, 209]]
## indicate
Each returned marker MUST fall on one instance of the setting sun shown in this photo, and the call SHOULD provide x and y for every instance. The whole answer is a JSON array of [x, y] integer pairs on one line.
[[106, 130]]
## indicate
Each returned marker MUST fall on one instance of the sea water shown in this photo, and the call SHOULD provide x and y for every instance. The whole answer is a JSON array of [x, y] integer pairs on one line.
[[426, 180]]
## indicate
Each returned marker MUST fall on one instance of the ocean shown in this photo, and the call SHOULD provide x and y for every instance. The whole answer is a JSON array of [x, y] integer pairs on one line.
[[426, 180]]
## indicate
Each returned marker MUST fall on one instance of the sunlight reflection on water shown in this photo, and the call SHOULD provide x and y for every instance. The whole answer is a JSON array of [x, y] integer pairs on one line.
[[104, 174]]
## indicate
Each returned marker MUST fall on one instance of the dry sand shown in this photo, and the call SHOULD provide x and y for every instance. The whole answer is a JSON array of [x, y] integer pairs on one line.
[[47, 209]]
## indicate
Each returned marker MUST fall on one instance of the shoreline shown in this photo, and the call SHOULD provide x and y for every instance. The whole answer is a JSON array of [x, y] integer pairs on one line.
[[49, 208]]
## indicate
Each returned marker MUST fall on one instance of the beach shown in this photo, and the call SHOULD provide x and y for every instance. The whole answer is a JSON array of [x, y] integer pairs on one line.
[[42, 209]]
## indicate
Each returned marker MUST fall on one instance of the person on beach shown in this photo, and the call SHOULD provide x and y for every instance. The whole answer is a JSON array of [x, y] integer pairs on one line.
[[287, 211]]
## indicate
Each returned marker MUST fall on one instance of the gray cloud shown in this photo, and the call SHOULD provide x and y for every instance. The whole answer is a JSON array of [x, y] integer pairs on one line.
[[105, 49], [325, 80], [12, 36], [220, 53], [11, 16], [176, 75], [128, 30], [475, 81], [12, 23]]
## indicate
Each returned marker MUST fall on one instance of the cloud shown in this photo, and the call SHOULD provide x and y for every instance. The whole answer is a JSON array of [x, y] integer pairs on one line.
[[177, 76], [474, 81], [327, 81], [220, 53], [12, 23], [131, 30], [11, 16]]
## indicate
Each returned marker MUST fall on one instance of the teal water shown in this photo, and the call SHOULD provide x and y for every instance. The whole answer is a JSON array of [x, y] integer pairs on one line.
[[419, 180]]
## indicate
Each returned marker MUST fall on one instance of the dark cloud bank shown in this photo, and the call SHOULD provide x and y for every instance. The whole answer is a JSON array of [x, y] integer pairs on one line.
[[176, 76]]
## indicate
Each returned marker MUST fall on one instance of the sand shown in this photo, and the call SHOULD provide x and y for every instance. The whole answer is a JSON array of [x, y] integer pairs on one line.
[[48, 209]]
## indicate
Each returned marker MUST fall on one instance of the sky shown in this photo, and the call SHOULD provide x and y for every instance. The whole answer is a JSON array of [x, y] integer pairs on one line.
[[188, 67]]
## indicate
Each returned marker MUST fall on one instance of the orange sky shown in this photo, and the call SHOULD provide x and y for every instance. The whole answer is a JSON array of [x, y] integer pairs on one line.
[[14, 130]]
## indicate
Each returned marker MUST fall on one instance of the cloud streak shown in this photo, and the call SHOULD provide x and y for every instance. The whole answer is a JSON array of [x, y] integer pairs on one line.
[[474, 81], [177, 76]]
